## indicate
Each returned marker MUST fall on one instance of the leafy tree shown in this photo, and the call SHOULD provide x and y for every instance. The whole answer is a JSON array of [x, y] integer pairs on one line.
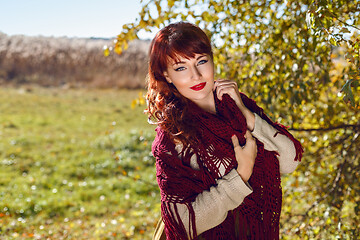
[[300, 61]]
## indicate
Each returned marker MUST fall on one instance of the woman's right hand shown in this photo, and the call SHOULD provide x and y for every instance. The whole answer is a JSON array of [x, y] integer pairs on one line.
[[245, 156]]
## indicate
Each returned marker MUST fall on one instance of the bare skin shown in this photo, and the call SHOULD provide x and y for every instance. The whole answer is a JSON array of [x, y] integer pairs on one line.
[[245, 156]]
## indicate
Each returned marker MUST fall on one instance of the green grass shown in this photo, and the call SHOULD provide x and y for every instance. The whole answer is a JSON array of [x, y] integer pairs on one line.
[[75, 164]]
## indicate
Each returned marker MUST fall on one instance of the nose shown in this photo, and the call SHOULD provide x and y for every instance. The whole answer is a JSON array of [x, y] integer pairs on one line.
[[196, 74]]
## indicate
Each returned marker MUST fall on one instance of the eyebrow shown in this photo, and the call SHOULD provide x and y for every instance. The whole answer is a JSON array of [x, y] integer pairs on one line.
[[196, 59]]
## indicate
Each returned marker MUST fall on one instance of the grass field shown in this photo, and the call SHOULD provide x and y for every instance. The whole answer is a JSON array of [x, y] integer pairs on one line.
[[75, 164]]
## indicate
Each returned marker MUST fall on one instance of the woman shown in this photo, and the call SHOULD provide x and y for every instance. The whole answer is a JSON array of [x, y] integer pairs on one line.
[[218, 156]]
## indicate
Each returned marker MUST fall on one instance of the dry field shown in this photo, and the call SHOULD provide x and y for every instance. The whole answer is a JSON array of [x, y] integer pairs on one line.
[[73, 62]]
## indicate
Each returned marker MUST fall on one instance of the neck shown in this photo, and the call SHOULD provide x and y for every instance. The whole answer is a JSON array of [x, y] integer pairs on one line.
[[207, 104]]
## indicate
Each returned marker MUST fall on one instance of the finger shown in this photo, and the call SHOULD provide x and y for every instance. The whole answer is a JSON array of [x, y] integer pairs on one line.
[[226, 89], [235, 141], [215, 84], [248, 135], [225, 85], [229, 88], [221, 90], [217, 81], [218, 92], [221, 80], [220, 83]]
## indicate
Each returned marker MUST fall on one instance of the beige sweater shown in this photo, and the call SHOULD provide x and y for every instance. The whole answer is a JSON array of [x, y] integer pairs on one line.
[[211, 206]]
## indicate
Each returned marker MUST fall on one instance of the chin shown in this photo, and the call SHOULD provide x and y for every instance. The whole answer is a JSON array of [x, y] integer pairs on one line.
[[202, 94]]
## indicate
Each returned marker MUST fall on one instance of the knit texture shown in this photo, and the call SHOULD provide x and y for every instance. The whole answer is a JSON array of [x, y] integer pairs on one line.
[[258, 215]]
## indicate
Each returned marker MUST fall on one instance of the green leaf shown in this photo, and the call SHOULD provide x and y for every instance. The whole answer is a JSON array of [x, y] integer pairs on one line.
[[349, 96]]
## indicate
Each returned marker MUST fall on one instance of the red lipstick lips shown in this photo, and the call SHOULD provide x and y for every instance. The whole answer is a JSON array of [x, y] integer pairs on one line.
[[199, 86]]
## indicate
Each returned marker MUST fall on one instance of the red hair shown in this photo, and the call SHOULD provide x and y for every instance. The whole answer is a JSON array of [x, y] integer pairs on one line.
[[165, 104]]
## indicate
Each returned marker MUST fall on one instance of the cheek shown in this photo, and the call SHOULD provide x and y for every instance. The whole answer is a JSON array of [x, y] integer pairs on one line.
[[183, 86], [181, 79], [208, 71], [179, 84]]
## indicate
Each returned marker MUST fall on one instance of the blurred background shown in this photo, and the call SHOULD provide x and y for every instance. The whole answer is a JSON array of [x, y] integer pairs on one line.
[[75, 145], [53, 43], [73, 136]]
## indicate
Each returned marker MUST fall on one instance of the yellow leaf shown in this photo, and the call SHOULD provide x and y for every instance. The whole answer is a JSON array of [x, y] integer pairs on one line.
[[125, 45], [118, 50], [133, 103], [171, 3], [333, 41], [142, 23], [142, 101], [106, 52]]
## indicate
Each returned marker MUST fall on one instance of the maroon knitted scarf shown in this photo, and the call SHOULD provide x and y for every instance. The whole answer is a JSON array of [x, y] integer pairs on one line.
[[257, 217]]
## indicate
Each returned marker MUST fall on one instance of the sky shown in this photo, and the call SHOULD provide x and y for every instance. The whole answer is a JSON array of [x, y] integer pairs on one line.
[[71, 18]]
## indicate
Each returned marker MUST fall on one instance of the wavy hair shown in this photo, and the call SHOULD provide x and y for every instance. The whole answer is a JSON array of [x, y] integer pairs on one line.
[[165, 104]]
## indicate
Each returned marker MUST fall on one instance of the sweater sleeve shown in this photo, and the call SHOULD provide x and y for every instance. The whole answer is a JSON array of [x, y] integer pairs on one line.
[[211, 207], [280, 143]]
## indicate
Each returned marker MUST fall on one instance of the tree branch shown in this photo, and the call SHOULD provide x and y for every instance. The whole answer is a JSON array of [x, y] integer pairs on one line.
[[343, 126], [343, 22]]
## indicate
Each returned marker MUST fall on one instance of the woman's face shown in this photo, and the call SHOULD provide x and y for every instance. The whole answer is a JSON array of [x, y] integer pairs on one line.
[[193, 77]]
